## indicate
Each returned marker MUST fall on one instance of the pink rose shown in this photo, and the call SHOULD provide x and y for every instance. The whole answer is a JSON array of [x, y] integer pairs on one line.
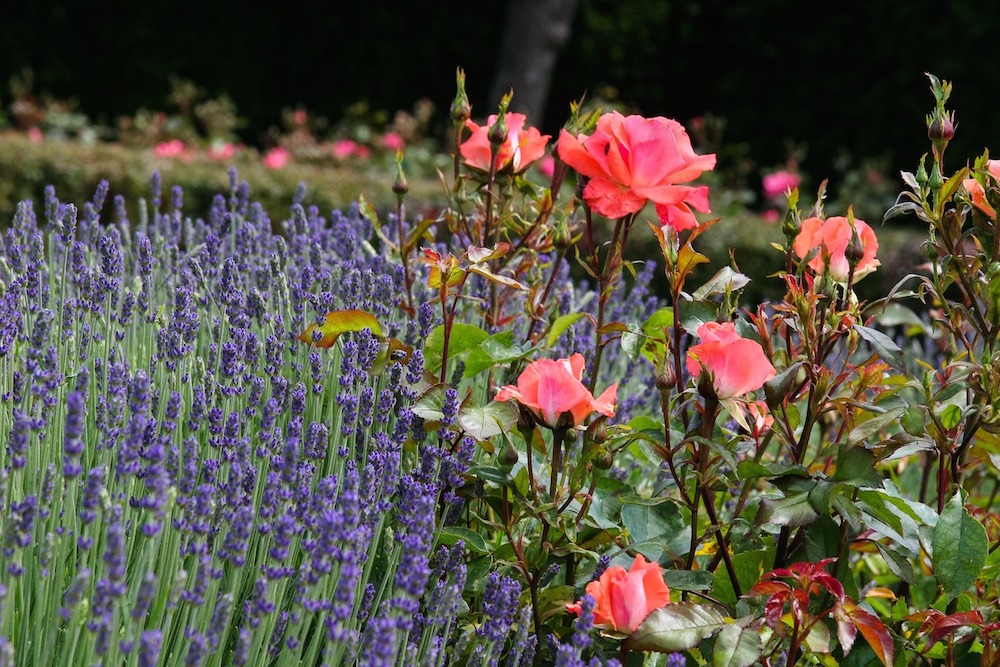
[[550, 388], [523, 146], [547, 165], [344, 148], [780, 182], [624, 599], [276, 158], [631, 160], [978, 193], [300, 117], [736, 365], [832, 236], [221, 151], [172, 148], [35, 134], [393, 142]]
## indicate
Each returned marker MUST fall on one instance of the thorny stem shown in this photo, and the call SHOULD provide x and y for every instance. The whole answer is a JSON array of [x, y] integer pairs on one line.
[[612, 268]]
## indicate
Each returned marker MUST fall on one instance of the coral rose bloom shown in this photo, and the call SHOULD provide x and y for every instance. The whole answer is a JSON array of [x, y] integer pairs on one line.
[[631, 160], [978, 193], [524, 145], [780, 182], [624, 599], [550, 388], [737, 365], [832, 236]]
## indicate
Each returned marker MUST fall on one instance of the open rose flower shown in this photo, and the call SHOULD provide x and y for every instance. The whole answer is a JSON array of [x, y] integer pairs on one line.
[[624, 599], [631, 160], [276, 158], [978, 193], [550, 388], [832, 236], [736, 365], [523, 146]]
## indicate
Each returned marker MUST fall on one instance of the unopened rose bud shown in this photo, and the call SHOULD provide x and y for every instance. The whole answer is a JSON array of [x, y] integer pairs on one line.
[[597, 432], [604, 460], [508, 457], [936, 180], [921, 175], [461, 109], [525, 420], [498, 132], [855, 251], [562, 239], [941, 129], [791, 225], [400, 186]]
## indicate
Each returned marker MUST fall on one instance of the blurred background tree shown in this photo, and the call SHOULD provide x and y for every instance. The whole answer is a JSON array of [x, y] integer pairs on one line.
[[847, 83]]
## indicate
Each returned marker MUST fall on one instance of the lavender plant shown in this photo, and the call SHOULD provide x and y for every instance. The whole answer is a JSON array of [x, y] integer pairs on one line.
[[185, 482]]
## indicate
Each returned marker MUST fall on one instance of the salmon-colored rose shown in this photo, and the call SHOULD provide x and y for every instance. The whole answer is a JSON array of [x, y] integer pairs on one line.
[[978, 193], [737, 365], [523, 146], [277, 158], [631, 160], [832, 236], [550, 388], [624, 599]]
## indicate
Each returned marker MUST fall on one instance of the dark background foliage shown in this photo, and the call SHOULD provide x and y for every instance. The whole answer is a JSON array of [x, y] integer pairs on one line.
[[844, 76]]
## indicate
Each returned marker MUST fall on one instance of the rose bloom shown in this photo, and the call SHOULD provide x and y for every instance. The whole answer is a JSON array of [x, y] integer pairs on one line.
[[344, 148], [978, 193], [172, 148], [737, 365], [780, 182], [624, 599], [393, 142], [760, 419], [276, 158], [547, 166], [631, 160], [34, 134], [523, 146], [221, 151], [550, 388], [832, 236]]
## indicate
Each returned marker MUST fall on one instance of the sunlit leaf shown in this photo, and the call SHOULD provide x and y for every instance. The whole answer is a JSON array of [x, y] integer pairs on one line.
[[676, 627], [736, 646], [338, 322], [489, 420]]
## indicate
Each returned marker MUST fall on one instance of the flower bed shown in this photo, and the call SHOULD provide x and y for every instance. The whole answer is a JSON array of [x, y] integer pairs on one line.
[[409, 441]]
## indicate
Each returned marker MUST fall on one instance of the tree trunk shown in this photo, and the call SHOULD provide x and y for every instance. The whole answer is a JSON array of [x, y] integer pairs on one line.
[[534, 32]]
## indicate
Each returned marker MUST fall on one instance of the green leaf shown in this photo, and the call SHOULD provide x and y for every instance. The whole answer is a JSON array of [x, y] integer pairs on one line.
[[749, 567], [791, 510], [951, 416], [695, 313], [872, 426], [676, 627], [898, 564], [428, 405], [491, 474], [736, 646], [473, 541], [688, 580], [724, 280], [482, 423], [857, 465], [497, 349], [660, 522], [959, 548], [561, 325], [884, 346], [464, 337]]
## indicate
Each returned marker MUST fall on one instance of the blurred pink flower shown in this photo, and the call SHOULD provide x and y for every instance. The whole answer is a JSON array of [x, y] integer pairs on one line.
[[300, 117], [547, 165], [276, 158], [221, 151], [35, 134], [776, 184], [771, 215], [344, 148], [363, 152], [172, 148], [393, 141]]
